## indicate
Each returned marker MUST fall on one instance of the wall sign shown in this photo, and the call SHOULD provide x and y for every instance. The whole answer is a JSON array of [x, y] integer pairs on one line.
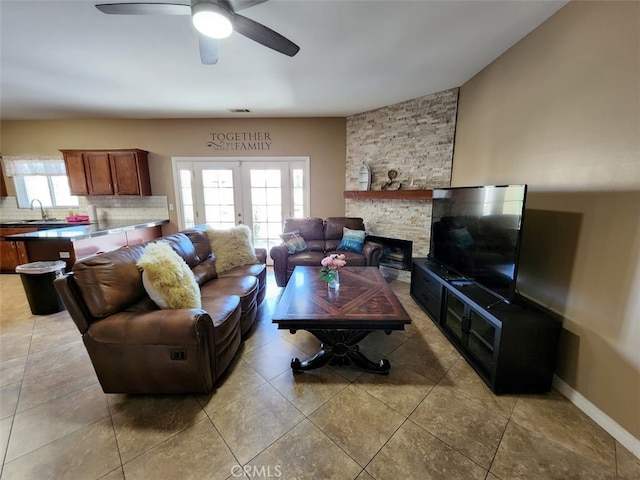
[[240, 141]]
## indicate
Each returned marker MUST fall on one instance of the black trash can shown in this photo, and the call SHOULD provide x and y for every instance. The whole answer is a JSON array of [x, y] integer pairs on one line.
[[37, 279]]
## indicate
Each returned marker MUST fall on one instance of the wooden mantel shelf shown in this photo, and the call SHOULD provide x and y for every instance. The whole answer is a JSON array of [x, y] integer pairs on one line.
[[389, 194]]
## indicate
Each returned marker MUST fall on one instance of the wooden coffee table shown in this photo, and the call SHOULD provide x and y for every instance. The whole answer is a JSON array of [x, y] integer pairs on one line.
[[340, 318]]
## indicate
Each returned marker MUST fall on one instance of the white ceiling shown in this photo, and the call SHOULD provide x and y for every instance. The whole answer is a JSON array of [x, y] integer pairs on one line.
[[65, 59]]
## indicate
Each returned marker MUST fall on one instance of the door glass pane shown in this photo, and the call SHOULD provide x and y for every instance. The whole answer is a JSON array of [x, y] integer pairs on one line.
[[188, 209], [274, 212], [219, 206], [272, 178], [266, 206], [258, 196], [226, 196], [220, 216], [259, 213], [297, 175]]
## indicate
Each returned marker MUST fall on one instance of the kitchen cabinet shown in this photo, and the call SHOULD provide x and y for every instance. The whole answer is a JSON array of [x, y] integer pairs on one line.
[[3, 185], [108, 172], [12, 253], [74, 164], [98, 173]]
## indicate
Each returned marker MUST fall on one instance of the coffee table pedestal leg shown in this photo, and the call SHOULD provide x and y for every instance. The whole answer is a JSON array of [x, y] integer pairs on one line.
[[340, 347]]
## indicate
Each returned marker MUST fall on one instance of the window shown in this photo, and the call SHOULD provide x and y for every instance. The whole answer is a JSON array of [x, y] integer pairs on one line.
[[41, 178], [51, 190]]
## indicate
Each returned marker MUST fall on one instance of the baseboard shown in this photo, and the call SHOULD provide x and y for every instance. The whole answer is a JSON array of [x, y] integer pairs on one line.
[[605, 421]]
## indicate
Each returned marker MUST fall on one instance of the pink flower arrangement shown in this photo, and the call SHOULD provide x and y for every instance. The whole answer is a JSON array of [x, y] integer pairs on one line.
[[330, 266]]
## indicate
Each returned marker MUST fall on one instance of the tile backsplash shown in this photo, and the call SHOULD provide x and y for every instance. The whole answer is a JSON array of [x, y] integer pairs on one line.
[[107, 208]]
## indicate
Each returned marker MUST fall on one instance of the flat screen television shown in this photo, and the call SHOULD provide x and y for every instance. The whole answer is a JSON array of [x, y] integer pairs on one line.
[[476, 234]]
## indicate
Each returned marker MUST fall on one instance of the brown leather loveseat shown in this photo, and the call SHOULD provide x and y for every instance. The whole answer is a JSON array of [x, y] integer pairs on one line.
[[322, 238], [137, 348]]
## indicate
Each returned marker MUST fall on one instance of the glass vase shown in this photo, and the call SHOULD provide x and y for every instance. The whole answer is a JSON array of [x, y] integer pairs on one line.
[[335, 280]]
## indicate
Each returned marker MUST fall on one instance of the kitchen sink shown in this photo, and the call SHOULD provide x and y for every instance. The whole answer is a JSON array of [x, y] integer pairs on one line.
[[30, 222], [48, 224]]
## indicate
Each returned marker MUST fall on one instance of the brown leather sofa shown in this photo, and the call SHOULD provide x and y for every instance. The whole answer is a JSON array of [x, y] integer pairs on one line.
[[322, 238], [137, 348]]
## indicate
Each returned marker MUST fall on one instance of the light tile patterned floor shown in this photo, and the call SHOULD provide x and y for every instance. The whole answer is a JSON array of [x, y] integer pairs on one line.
[[431, 418]]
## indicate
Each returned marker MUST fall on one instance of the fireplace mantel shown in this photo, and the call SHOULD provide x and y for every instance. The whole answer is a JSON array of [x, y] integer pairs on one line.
[[389, 194]]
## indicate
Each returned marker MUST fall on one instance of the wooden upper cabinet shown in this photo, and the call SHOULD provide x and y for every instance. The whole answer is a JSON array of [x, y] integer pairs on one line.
[[3, 185], [76, 174], [130, 172], [108, 172], [98, 170]]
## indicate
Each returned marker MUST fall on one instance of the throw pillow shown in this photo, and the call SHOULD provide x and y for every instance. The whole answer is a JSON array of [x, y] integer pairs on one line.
[[232, 248], [167, 278], [294, 241], [352, 240]]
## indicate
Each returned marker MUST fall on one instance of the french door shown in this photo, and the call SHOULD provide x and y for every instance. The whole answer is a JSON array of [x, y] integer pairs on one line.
[[258, 193]]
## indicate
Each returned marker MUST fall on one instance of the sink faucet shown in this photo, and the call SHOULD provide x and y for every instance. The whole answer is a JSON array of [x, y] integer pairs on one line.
[[42, 212]]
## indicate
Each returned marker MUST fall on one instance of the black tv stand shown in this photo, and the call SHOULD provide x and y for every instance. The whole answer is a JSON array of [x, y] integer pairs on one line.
[[512, 347]]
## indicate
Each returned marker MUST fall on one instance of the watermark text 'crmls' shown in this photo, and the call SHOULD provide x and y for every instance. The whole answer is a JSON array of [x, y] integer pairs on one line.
[[255, 471]]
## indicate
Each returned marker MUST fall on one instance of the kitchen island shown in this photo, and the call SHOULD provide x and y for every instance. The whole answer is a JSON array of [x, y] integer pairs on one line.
[[77, 242]]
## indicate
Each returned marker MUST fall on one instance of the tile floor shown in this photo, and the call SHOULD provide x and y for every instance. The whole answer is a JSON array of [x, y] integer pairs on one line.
[[430, 418]]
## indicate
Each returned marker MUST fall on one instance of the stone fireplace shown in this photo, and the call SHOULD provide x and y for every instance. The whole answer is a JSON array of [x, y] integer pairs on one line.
[[396, 252], [398, 219], [415, 138]]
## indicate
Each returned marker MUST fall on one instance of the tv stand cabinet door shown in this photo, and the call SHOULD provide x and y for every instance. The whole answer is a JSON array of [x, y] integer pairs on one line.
[[427, 291], [483, 342], [455, 318], [473, 333]]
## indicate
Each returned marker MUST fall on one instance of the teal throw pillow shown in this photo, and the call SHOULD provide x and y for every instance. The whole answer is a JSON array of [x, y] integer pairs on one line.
[[352, 240], [294, 241]]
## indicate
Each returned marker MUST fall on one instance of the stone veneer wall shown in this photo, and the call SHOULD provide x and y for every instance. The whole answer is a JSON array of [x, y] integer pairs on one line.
[[416, 139]]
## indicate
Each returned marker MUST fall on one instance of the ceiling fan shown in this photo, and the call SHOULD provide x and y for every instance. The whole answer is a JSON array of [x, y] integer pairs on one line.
[[214, 20]]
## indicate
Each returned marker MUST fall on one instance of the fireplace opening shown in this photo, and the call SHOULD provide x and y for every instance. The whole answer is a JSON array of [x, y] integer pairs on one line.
[[396, 253]]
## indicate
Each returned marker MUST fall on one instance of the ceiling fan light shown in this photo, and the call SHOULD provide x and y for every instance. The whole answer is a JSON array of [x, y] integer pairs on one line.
[[211, 20]]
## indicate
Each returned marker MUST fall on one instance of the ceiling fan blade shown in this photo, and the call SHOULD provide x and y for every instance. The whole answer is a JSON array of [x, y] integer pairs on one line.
[[264, 35], [237, 5], [145, 8], [209, 48]]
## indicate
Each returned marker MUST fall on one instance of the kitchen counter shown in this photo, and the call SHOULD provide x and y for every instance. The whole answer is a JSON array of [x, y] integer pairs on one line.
[[81, 231], [40, 224], [73, 243]]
